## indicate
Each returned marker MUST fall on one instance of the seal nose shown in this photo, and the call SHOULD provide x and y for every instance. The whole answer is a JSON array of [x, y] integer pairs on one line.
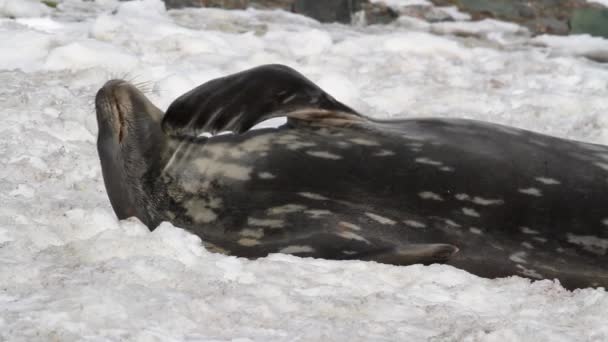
[[114, 83], [104, 94], [110, 104]]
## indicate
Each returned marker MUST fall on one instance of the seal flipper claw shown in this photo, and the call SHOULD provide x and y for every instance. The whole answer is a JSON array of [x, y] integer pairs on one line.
[[414, 254], [240, 101]]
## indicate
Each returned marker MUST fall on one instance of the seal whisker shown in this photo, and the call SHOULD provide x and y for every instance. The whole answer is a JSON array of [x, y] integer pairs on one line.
[[145, 87]]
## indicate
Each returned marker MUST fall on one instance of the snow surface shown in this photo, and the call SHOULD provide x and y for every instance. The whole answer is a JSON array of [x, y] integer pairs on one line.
[[602, 2], [69, 271]]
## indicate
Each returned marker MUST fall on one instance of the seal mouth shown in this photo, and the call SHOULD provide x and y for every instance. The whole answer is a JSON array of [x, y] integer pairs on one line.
[[121, 117], [113, 105]]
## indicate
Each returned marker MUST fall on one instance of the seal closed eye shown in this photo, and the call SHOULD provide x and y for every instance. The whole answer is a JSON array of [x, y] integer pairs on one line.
[[332, 183]]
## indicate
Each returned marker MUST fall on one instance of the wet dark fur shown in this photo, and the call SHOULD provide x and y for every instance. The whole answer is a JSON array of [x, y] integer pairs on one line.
[[334, 184]]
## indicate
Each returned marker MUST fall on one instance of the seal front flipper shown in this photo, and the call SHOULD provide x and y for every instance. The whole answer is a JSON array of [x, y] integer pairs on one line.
[[412, 254], [240, 101]]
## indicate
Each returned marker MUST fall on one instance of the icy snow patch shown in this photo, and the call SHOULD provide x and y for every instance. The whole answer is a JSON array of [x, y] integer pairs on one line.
[[22, 8]]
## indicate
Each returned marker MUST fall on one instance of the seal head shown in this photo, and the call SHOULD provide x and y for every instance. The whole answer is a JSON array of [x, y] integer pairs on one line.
[[130, 143]]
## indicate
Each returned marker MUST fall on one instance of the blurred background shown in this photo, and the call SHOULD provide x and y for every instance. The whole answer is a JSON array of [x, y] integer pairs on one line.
[[540, 16]]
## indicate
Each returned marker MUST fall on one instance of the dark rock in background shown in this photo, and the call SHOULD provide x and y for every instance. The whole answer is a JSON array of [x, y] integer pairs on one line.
[[593, 21], [322, 10], [328, 11], [377, 13], [228, 4], [424, 12], [539, 16]]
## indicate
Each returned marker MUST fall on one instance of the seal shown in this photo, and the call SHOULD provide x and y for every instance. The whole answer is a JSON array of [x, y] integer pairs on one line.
[[331, 183]]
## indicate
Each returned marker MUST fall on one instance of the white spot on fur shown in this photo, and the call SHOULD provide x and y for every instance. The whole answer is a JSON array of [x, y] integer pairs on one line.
[[462, 197], [296, 145], [384, 153], [323, 154], [487, 201], [252, 233], [519, 257], [590, 243], [215, 249], [605, 222], [428, 195], [289, 98], [266, 175], [414, 224], [285, 209], [428, 161], [531, 191], [527, 230], [529, 272], [297, 249], [364, 142], [349, 225], [260, 143], [539, 239], [210, 168], [317, 213], [349, 252], [380, 219], [352, 236], [548, 181], [270, 223], [452, 223], [247, 242], [170, 215], [475, 231], [470, 212], [201, 211], [479, 200], [313, 196], [446, 169], [527, 245], [292, 143]]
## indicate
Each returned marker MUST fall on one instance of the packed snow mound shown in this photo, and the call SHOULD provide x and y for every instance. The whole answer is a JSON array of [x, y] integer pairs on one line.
[[70, 271], [23, 8]]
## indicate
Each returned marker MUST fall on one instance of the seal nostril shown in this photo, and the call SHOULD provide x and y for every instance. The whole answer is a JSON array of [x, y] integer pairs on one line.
[[120, 116], [121, 123]]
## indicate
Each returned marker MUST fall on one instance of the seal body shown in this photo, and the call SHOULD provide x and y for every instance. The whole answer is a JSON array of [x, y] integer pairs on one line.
[[331, 183]]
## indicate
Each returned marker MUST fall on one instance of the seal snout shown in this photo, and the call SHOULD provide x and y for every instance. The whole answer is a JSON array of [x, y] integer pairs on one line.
[[110, 106], [116, 102]]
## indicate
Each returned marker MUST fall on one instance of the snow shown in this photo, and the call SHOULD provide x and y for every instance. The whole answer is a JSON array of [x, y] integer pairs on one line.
[[582, 45], [22, 8], [71, 272], [601, 2]]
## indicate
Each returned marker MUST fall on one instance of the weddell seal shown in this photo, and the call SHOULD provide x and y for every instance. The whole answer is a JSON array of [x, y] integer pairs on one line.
[[331, 183]]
